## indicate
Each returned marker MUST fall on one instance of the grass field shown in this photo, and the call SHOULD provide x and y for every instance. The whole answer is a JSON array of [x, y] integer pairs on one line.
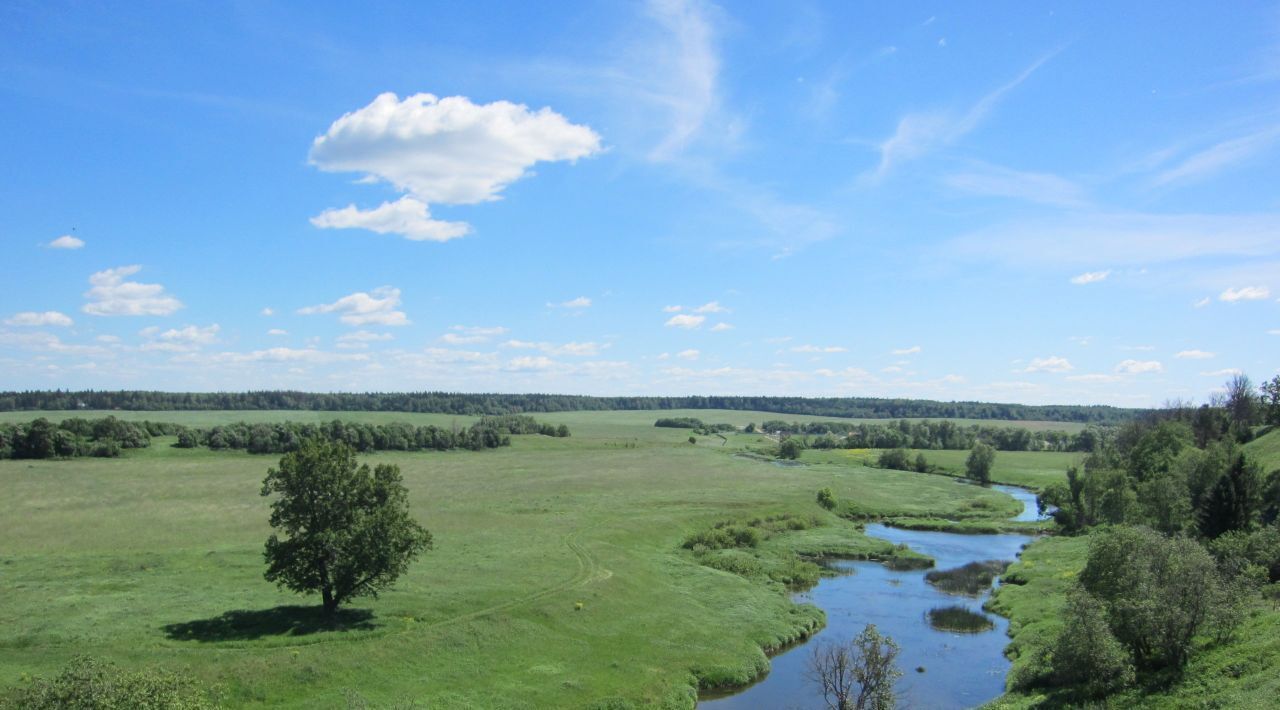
[[156, 558]]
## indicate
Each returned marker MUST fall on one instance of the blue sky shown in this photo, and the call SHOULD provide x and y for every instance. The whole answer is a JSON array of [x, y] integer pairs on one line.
[[1030, 203]]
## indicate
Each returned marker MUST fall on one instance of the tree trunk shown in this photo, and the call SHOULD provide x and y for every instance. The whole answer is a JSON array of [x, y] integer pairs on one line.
[[330, 604]]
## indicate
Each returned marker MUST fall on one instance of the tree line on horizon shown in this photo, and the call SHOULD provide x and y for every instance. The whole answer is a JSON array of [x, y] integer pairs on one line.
[[496, 404], [108, 436]]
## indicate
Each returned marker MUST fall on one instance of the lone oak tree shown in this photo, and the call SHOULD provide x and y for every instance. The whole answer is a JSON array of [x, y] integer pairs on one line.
[[348, 528]]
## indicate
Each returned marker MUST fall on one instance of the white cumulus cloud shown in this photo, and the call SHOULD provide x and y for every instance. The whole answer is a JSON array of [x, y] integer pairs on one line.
[[37, 318], [442, 151], [906, 351], [1053, 363], [377, 307], [712, 307], [180, 340], [408, 217], [66, 241], [685, 321], [1194, 355], [112, 295], [721, 327], [818, 349], [1138, 367]]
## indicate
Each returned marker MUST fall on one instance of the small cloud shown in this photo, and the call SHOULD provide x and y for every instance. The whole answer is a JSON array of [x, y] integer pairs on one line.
[[464, 334], [34, 318], [377, 307], [180, 340], [672, 309], [1274, 332], [1094, 378], [277, 331], [1140, 348], [1081, 340], [688, 354], [406, 217], [685, 321], [1194, 355], [576, 349], [664, 356], [1226, 372], [1203, 302], [579, 302], [1246, 293], [906, 351], [818, 349], [721, 327], [66, 241], [361, 338], [111, 295], [1090, 277], [712, 307], [942, 42], [1053, 363], [268, 311], [1138, 367], [539, 362]]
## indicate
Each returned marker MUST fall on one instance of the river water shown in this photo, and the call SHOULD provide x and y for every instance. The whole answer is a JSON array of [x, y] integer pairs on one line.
[[960, 670]]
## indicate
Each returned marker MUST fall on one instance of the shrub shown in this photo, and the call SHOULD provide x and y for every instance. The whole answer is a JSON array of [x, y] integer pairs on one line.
[[790, 449], [1085, 653], [896, 459], [87, 684], [826, 498]]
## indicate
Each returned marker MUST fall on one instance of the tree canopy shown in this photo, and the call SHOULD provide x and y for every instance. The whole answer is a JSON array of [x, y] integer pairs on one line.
[[348, 528]]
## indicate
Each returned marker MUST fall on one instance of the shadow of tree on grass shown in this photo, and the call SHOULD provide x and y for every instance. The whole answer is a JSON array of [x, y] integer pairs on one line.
[[243, 625]]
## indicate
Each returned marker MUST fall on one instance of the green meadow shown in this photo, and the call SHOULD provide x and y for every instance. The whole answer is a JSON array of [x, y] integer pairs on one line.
[[155, 558]]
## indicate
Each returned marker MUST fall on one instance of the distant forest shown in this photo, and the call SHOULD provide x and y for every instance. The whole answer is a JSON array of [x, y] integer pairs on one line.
[[498, 404]]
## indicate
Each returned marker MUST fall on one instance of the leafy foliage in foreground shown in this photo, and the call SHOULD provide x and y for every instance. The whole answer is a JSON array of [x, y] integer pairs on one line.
[[88, 684]]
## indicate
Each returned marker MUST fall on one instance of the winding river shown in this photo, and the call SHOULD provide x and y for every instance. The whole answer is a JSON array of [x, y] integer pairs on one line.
[[958, 670]]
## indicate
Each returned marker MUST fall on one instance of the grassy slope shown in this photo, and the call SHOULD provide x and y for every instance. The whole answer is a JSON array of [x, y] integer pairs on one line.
[[1239, 674], [1266, 450], [638, 418], [99, 556]]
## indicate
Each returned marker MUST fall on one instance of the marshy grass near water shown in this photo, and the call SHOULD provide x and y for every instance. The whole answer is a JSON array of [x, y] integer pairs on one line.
[[960, 619], [971, 579]]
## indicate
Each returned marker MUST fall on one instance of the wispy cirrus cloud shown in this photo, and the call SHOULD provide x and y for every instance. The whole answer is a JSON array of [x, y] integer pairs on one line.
[[919, 134], [1219, 157], [1040, 188]]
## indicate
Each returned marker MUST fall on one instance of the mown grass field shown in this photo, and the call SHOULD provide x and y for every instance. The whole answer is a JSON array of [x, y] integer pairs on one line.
[[156, 559]]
